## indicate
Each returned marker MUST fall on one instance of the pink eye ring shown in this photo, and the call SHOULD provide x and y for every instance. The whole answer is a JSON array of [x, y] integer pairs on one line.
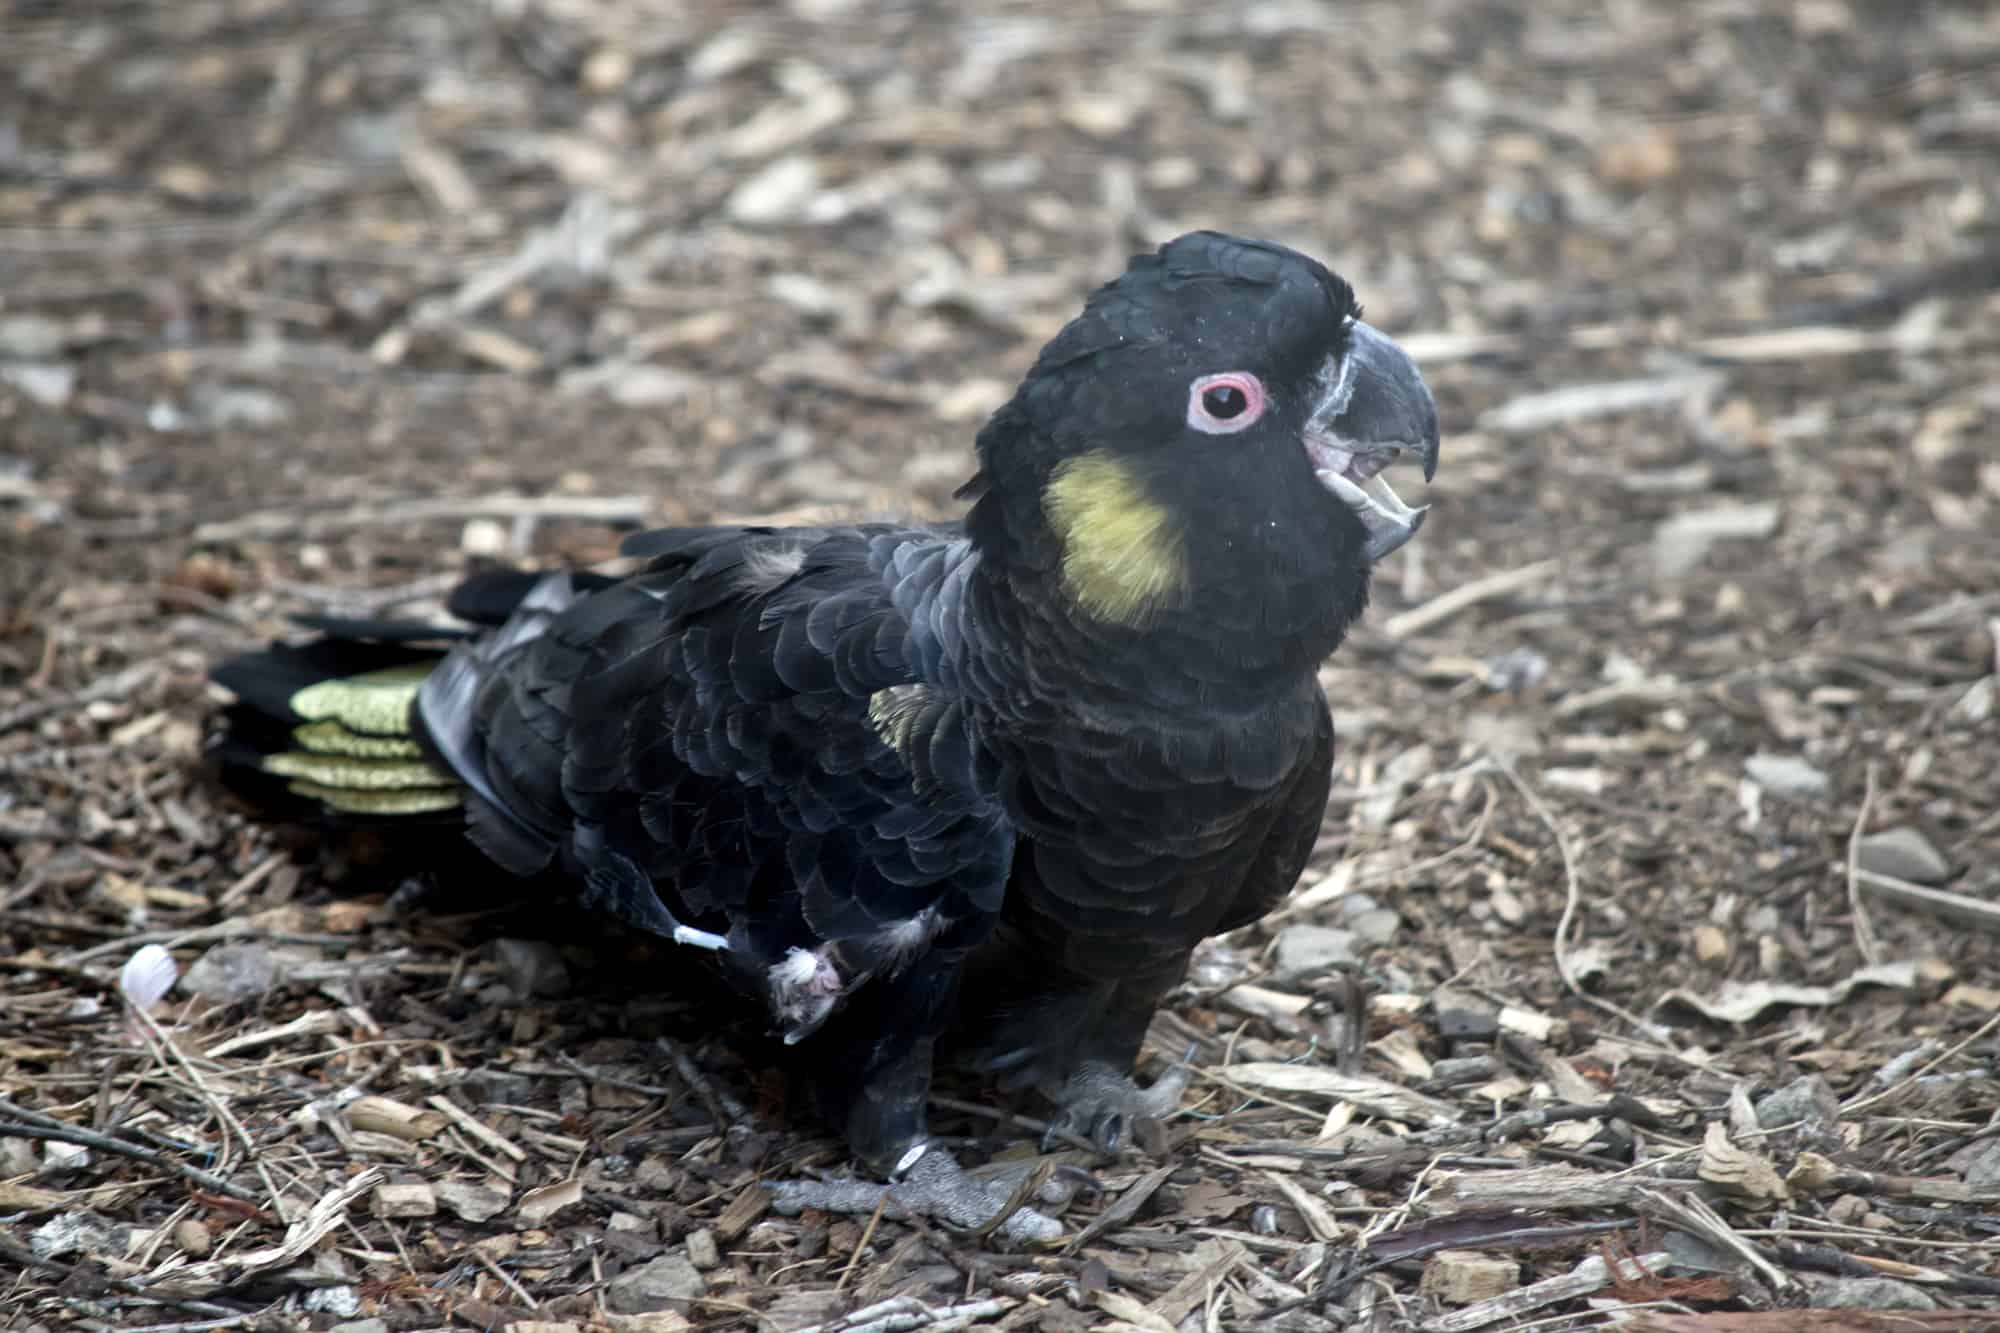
[[1226, 403]]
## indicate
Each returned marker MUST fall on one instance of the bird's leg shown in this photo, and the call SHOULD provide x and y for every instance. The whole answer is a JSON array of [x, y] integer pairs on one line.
[[1098, 1100], [870, 1068]]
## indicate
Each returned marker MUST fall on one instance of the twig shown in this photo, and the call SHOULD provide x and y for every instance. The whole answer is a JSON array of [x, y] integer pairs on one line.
[[726, 1109], [22, 1128], [164, 1045], [119, 685], [609, 1081], [867, 1234], [506, 1278], [1446, 605], [901, 1314], [1694, 1214], [1572, 905], [1588, 1276], [1029, 1186], [1864, 929], [1939, 902], [1864, 1103]]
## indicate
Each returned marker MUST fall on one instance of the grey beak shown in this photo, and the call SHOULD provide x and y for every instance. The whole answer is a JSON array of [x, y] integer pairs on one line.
[[1387, 408], [1373, 409]]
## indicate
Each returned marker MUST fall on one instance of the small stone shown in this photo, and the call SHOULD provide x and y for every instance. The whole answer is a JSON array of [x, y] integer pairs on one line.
[[1641, 160], [49, 383], [1304, 950], [1903, 853], [1979, 703], [361, 1326], [223, 406], [1697, 1254], [77, 1233], [668, 1282], [1100, 115], [608, 69], [1711, 943], [1867, 1293], [1784, 775], [702, 1250], [777, 194], [531, 967], [192, 1237], [1376, 927], [336, 1301], [1981, 1167], [32, 337], [1460, 1021], [1808, 1099], [232, 973]]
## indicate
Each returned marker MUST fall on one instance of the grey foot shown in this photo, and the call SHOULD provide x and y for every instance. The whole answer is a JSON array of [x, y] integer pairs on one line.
[[933, 1185], [1106, 1108]]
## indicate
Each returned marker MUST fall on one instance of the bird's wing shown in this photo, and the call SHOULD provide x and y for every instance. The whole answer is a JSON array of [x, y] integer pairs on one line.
[[751, 746], [1279, 861]]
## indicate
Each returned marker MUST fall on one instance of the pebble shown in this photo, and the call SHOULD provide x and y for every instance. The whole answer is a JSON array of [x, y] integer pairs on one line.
[[230, 973], [668, 1282], [223, 406], [1867, 1293], [702, 1250], [1783, 775], [1981, 1167], [1979, 703], [336, 1301], [76, 1233], [1809, 1099], [1307, 949], [1376, 927], [777, 194], [1903, 853], [531, 967], [49, 383]]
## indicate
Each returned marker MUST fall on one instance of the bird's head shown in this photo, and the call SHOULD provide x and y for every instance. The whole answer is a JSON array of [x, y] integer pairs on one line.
[[1204, 443]]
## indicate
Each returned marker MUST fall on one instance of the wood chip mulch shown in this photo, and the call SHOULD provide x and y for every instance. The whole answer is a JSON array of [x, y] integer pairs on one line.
[[1648, 970]]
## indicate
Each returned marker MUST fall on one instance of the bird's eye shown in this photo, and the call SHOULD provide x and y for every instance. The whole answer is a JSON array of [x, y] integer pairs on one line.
[[1226, 403]]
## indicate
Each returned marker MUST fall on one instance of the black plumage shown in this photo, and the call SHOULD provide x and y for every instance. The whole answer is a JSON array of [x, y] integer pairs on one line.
[[986, 783]]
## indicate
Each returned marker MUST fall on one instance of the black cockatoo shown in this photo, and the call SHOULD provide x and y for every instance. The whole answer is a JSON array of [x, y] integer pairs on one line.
[[980, 786]]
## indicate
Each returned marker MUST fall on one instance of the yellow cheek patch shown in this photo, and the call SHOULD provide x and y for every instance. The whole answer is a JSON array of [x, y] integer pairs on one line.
[[1122, 554]]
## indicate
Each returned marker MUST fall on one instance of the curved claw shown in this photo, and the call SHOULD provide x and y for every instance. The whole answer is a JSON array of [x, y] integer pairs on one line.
[[1105, 1108]]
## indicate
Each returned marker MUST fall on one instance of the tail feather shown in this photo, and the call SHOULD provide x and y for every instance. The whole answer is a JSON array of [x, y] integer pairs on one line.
[[329, 723], [337, 722]]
